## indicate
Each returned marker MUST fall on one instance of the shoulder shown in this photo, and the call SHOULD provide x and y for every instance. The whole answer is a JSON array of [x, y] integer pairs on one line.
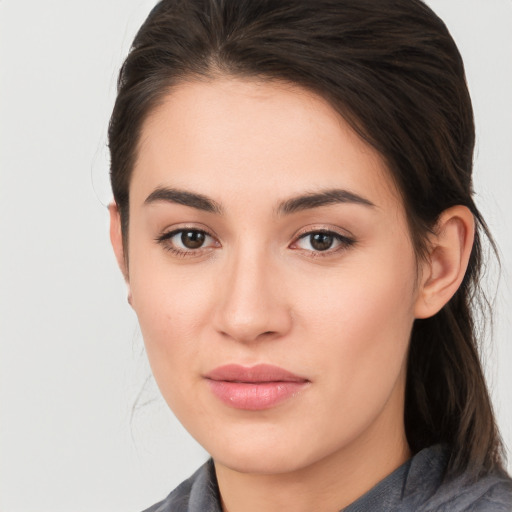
[[497, 498], [199, 493], [492, 493], [489, 493]]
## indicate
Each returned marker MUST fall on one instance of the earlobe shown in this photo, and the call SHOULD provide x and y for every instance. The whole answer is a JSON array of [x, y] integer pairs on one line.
[[447, 260], [116, 238]]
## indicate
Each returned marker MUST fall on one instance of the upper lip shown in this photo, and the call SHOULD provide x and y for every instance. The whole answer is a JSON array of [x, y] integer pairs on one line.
[[253, 374]]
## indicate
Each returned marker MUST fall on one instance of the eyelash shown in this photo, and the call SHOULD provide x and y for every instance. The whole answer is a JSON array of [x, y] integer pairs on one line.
[[343, 242], [165, 241]]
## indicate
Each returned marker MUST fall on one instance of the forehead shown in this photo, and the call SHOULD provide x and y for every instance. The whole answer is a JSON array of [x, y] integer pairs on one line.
[[227, 136]]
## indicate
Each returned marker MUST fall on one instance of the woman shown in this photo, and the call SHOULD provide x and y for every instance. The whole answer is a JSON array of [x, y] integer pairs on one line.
[[294, 219]]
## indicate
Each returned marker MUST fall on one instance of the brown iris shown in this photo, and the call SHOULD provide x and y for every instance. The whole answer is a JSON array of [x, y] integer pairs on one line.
[[192, 239], [321, 241]]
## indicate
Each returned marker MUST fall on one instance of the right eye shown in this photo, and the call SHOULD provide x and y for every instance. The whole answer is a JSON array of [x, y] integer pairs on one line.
[[186, 241]]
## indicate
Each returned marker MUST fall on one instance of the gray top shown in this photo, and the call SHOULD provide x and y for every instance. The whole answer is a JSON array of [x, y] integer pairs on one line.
[[416, 486]]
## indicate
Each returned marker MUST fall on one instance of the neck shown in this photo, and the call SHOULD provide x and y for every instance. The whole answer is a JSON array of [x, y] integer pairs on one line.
[[327, 485]]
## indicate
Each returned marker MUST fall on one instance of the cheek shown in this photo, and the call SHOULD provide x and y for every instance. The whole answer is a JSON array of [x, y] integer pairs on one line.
[[360, 325], [173, 309]]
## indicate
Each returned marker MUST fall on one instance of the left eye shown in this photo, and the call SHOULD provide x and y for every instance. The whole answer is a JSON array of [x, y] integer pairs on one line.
[[187, 239], [321, 241]]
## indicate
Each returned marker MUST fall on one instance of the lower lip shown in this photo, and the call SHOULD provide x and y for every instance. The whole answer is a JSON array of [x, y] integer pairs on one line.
[[255, 396]]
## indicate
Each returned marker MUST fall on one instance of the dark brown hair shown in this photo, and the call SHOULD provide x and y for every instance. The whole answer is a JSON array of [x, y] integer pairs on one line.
[[392, 70]]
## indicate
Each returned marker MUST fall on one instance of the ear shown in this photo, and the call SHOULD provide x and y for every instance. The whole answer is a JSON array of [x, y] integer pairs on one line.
[[447, 260], [116, 238]]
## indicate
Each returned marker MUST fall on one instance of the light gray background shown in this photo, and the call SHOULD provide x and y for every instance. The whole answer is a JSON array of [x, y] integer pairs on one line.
[[71, 361]]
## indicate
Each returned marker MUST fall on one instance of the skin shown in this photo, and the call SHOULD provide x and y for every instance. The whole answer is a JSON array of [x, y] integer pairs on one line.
[[258, 291]]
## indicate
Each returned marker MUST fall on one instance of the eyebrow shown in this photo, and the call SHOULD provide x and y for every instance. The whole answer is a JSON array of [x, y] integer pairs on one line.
[[192, 199], [295, 204], [323, 198]]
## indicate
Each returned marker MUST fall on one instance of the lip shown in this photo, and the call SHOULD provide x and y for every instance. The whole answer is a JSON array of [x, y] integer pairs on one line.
[[254, 388]]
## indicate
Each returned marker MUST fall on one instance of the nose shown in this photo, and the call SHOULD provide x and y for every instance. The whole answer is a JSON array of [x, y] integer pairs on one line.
[[252, 301]]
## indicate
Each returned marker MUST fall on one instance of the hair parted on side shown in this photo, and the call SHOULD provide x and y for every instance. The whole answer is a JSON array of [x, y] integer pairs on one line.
[[392, 70]]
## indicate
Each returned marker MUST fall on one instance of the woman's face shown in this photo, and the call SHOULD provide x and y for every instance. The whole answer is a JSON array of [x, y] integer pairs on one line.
[[264, 231]]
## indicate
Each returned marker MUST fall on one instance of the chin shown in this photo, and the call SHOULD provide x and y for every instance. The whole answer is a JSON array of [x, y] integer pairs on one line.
[[260, 454], [268, 463]]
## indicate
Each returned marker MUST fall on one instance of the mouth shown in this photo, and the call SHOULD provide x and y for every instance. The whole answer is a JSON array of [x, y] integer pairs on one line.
[[254, 388]]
